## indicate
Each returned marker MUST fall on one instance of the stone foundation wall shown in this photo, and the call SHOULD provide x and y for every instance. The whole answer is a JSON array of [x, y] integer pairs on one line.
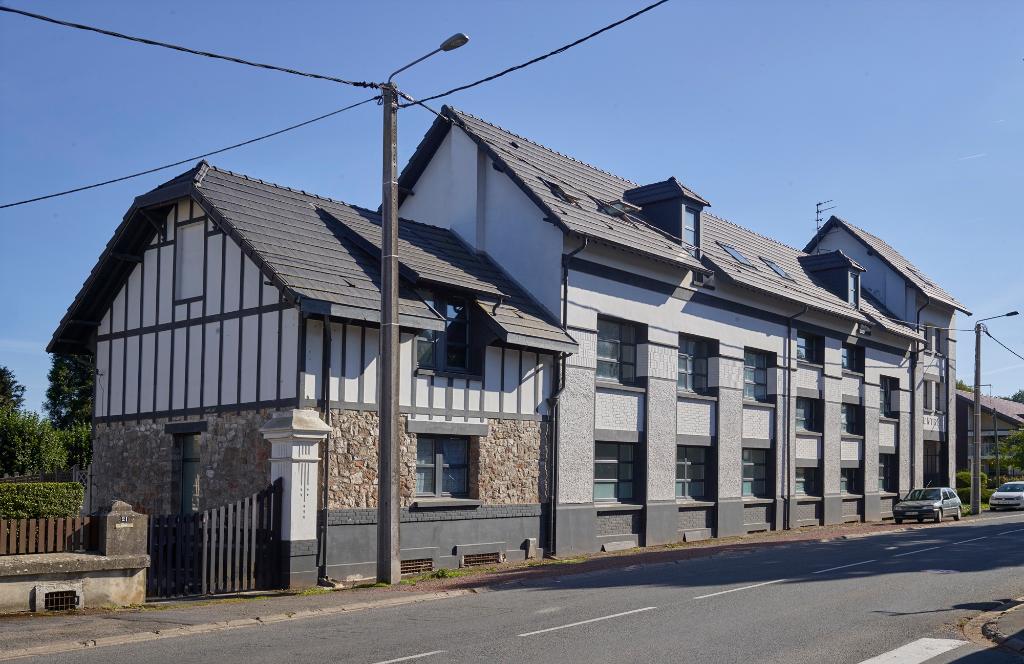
[[140, 464], [507, 467]]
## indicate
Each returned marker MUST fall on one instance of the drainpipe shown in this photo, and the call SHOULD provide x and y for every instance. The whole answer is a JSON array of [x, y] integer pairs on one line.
[[787, 389], [555, 398], [913, 391], [325, 392]]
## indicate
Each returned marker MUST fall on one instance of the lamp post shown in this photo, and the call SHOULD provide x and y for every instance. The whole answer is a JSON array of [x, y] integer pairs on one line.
[[389, 454], [976, 457]]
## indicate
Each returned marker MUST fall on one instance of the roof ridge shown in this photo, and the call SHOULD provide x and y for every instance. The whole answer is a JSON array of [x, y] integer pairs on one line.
[[541, 145], [753, 232]]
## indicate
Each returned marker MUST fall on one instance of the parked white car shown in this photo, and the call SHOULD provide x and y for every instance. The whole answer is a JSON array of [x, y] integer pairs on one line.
[[1009, 496]]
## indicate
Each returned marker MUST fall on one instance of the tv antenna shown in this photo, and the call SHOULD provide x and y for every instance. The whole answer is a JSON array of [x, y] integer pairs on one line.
[[819, 207]]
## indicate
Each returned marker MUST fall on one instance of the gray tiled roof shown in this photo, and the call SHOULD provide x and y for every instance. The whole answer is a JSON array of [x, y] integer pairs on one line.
[[798, 286], [571, 191], [327, 252], [894, 258], [331, 250], [1011, 410]]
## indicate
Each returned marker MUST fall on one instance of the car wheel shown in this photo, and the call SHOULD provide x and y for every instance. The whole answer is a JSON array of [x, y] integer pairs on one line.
[[920, 519], [956, 515], [938, 516], [898, 521]]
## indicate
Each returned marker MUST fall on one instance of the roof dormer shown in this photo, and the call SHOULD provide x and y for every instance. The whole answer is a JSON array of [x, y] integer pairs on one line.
[[672, 207], [837, 272]]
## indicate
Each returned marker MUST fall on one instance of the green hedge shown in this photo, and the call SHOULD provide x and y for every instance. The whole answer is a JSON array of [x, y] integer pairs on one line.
[[965, 494], [963, 479], [27, 500]]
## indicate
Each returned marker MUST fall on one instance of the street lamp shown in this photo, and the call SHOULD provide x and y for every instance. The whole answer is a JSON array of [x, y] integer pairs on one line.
[[389, 454], [976, 465]]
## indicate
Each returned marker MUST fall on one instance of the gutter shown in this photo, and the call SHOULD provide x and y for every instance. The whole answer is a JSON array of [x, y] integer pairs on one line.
[[786, 390], [555, 399]]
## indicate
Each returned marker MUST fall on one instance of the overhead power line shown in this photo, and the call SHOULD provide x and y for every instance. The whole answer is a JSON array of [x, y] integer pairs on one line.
[[561, 49], [193, 158], [185, 49], [1003, 345]]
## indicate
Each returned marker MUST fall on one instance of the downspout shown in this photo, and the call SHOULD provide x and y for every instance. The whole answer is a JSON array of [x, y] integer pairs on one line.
[[555, 398], [913, 391], [325, 394], [787, 389]]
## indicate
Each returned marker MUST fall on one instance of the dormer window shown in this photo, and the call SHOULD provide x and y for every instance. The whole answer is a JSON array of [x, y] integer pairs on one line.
[[853, 289], [690, 225], [446, 350], [619, 208], [735, 253]]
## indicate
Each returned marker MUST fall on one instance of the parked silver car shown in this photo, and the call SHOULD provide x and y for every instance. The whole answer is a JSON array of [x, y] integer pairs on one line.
[[929, 503], [1009, 496]]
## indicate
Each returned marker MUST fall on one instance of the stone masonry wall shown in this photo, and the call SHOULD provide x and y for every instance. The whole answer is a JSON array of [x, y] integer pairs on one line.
[[138, 463], [508, 466]]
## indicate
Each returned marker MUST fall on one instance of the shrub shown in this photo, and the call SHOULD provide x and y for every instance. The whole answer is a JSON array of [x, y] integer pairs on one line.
[[963, 479], [28, 444], [965, 494], [28, 500]]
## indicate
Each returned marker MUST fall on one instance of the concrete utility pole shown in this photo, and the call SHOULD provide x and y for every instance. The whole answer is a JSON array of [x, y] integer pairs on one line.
[[389, 568], [976, 457]]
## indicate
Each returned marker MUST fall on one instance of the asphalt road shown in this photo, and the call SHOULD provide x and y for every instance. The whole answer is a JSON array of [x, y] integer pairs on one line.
[[844, 601]]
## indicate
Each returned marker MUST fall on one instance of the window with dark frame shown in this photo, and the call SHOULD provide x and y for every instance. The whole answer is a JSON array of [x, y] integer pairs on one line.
[[929, 389], [190, 476], [690, 226], [848, 480], [807, 481], [755, 375], [613, 471], [853, 358], [693, 364], [887, 390], [937, 340], [691, 467], [446, 350], [442, 466], [851, 419], [853, 289], [808, 347], [616, 350], [887, 472], [736, 254], [755, 473], [807, 414], [188, 258], [776, 268]]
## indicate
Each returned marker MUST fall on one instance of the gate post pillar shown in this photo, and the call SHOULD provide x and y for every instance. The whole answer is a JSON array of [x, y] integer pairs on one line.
[[294, 436]]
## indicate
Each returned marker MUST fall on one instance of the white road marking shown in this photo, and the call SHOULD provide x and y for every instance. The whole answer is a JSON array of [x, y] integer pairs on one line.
[[970, 540], [916, 652], [832, 569], [406, 659], [1007, 532], [756, 585], [910, 553], [996, 518], [586, 622]]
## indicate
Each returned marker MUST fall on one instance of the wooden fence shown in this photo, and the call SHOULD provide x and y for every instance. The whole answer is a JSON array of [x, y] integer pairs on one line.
[[232, 548], [48, 535]]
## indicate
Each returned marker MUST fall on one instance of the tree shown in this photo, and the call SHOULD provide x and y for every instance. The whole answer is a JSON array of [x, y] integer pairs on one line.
[[69, 396], [961, 385], [1018, 396], [12, 393], [28, 444], [1011, 449]]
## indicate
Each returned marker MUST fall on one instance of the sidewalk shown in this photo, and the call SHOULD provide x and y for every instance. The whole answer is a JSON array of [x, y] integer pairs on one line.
[[1008, 628], [29, 634]]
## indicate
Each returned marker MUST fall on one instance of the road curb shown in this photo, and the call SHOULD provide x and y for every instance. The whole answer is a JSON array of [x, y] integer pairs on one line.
[[991, 629], [223, 625]]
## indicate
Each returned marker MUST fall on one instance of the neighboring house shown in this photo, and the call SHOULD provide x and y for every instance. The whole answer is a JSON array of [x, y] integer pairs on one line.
[[585, 361], [999, 419]]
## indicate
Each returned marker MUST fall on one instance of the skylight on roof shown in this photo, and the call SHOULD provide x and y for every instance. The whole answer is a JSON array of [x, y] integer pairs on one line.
[[735, 253], [776, 268]]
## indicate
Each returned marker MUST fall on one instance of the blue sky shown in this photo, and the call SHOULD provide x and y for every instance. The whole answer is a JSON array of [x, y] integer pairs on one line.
[[909, 115]]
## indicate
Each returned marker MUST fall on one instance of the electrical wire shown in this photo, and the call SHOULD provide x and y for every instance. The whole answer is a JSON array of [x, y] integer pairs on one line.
[[561, 49], [989, 334], [185, 49], [194, 158]]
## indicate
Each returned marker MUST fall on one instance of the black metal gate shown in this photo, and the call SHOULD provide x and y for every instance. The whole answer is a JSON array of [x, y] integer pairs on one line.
[[226, 549]]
